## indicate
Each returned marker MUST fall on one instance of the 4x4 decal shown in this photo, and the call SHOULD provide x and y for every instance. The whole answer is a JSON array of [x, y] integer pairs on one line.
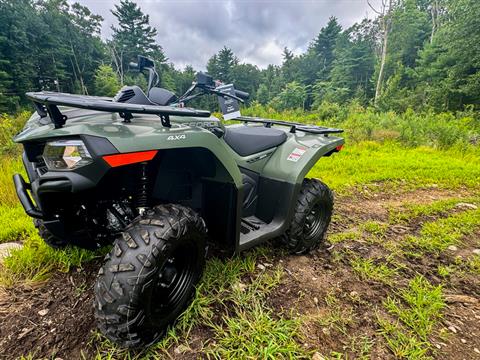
[[177, 137]]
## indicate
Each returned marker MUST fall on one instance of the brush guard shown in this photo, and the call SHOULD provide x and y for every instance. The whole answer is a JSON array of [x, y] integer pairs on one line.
[[21, 188]]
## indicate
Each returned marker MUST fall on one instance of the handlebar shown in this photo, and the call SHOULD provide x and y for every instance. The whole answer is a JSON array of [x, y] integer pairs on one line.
[[242, 94], [133, 65]]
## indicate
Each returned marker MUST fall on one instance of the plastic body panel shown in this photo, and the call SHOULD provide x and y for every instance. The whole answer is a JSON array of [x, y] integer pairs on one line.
[[143, 133], [279, 171]]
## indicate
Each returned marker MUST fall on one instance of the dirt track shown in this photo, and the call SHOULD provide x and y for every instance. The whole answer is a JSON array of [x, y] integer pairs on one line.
[[56, 318]]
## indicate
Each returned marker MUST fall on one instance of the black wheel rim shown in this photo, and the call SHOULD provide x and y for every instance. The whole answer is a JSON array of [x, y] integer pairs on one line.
[[173, 282], [315, 222]]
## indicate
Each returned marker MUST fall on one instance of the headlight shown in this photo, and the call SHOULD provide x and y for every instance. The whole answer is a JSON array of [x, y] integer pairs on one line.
[[66, 155]]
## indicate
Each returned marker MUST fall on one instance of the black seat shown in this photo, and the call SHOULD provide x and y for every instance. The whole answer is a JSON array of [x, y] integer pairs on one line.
[[248, 140]]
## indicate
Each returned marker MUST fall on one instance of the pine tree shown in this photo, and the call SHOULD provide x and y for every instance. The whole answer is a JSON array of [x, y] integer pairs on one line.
[[323, 47], [220, 65], [132, 37]]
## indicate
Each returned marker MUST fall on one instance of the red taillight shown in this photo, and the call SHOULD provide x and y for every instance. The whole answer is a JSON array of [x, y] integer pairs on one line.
[[339, 147], [129, 158]]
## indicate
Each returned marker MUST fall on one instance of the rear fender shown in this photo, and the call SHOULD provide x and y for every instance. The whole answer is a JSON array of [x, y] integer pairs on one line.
[[293, 159]]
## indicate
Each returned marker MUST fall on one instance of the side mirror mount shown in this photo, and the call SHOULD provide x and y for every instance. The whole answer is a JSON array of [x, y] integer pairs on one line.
[[145, 63], [204, 79]]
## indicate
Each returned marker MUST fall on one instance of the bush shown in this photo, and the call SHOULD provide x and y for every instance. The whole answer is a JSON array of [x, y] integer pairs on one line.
[[9, 127], [442, 130]]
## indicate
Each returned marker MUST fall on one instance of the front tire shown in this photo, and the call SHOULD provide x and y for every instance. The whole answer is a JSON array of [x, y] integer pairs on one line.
[[50, 239], [150, 275], [313, 213]]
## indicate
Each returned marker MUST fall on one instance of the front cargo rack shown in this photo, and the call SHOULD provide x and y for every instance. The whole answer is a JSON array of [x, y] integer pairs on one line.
[[46, 104], [294, 126]]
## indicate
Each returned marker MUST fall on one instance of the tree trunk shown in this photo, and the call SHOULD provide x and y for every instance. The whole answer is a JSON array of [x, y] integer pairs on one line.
[[385, 30], [434, 12]]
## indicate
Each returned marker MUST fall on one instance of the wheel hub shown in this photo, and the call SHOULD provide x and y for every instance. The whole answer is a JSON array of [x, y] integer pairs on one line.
[[169, 274]]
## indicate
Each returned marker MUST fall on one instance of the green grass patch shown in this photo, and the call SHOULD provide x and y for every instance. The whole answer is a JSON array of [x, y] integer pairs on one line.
[[338, 317], [36, 261], [410, 211], [8, 166], [375, 228], [416, 310], [16, 225], [391, 163], [256, 333], [369, 269], [343, 236], [438, 235]]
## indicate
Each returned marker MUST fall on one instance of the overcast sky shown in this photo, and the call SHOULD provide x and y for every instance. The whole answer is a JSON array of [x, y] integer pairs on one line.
[[190, 32]]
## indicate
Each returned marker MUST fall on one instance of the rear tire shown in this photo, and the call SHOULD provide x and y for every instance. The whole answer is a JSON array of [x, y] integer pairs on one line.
[[150, 275], [313, 213]]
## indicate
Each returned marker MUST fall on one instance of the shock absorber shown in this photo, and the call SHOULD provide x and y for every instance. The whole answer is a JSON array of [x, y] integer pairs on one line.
[[141, 198]]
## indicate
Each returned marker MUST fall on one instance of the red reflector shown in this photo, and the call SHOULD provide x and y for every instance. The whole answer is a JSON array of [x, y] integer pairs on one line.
[[129, 158], [339, 147]]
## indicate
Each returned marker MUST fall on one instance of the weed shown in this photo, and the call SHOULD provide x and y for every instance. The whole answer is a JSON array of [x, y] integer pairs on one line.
[[343, 236], [436, 236], [371, 269], [375, 228], [338, 317], [473, 264], [417, 309], [269, 337], [445, 270], [36, 260], [410, 211]]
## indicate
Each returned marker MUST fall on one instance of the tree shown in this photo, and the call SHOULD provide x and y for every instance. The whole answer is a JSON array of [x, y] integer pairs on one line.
[[220, 65], [323, 48], [449, 67], [293, 96], [106, 81], [133, 36], [384, 18], [263, 95]]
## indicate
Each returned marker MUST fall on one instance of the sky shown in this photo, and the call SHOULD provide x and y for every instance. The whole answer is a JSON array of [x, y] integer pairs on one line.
[[191, 31]]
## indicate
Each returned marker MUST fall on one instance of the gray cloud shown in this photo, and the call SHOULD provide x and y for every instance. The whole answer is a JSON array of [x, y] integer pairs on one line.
[[191, 31]]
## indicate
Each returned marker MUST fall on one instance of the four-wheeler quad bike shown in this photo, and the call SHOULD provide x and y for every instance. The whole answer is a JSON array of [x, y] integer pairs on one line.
[[151, 176]]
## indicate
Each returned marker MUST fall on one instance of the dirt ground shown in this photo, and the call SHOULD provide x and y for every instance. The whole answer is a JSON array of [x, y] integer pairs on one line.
[[55, 319]]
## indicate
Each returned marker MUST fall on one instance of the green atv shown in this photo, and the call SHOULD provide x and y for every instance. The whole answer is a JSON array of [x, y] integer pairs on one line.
[[151, 176]]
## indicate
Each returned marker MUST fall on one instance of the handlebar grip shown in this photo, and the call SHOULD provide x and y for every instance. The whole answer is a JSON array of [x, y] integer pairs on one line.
[[242, 94], [133, 65]]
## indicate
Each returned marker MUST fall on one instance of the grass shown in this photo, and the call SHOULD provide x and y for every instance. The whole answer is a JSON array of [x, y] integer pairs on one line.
[[416, 311], [398, 166], [337, 317], [36, 261], [377, 270], [411, 211], [402, 152], [256, 333], [437, 236]]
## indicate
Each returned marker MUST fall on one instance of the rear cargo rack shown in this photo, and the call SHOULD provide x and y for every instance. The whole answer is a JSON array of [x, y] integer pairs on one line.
[[294, 126], [46, 104]]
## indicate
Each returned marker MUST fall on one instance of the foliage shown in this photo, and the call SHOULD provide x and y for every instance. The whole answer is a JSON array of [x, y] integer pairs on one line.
[[293, 96], [418, 309], [431, 62], [133, 36], [106, 81]]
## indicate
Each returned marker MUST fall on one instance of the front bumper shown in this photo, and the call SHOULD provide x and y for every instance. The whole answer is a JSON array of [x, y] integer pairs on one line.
[[21, 188]]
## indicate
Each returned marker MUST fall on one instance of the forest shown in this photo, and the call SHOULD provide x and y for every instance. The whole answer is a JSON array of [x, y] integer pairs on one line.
[[418, 54]]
